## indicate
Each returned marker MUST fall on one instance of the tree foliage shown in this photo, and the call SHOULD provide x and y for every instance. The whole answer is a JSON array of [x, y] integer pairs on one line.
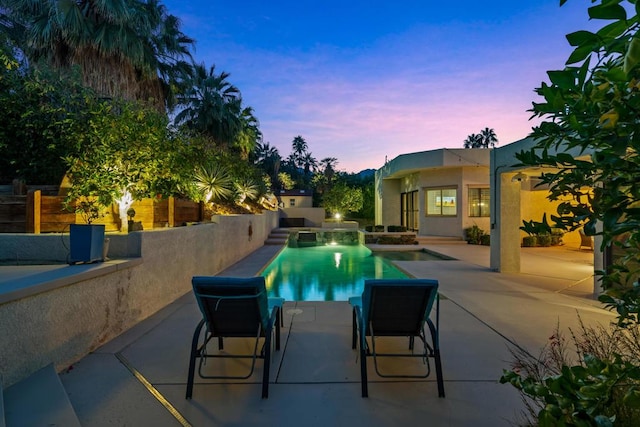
[[131, 49], [590, 136], [43, 116], [342, 199], [485, 139]]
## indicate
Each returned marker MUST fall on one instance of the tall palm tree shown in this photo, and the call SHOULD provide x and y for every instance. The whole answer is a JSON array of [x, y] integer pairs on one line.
[[310, 164], [489, 138], [473, 141], [249, 135], [298, 147], [211, 105], [129, 49]]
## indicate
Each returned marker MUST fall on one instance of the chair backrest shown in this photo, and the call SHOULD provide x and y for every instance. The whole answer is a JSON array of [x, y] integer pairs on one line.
[[232, 306], [396, 307]]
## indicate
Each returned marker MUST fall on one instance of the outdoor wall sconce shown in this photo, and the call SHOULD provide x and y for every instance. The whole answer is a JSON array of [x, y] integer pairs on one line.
[[519, 177]]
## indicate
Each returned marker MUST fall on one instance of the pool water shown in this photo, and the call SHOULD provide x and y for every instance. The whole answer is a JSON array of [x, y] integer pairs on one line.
[[325, 273]]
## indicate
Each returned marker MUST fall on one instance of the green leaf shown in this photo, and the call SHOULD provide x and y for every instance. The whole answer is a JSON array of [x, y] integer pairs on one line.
[[582, 37], [632, 57], [612, 30], [608, 11], [564, 79], [579, 54]]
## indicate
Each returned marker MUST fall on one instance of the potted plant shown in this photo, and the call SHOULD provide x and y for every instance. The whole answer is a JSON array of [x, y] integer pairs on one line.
[[474, 235], [539, 233], [86, 241]]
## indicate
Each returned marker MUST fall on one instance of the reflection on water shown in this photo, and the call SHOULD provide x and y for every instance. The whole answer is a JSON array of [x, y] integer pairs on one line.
[[325, 273]]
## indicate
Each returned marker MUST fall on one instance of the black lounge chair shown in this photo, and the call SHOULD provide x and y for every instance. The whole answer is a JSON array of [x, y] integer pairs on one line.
[[233, 308], [397, 308]]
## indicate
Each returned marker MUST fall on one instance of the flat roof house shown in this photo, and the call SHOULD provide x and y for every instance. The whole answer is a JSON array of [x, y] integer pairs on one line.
[[437, 193]]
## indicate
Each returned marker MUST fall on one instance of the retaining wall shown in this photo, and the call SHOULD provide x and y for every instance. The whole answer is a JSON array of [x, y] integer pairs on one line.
[[65, 315]]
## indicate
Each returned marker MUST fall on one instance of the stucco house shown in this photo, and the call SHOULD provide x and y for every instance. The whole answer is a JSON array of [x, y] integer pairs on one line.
[[436, 193], [442, 192]]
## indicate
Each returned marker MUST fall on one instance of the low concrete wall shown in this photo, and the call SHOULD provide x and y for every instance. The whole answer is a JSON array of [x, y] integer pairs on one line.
[[313, 217], [63, 324]]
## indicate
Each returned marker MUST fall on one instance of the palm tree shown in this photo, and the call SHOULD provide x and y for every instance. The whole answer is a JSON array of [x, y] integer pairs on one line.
[[268, 159], [131, 49], [489, 138], [310, 164], [473, 141], [298, 147], [249, 136], [211, 105]]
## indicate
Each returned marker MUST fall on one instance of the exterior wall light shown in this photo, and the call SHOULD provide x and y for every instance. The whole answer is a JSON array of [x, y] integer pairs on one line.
[[519, 177]]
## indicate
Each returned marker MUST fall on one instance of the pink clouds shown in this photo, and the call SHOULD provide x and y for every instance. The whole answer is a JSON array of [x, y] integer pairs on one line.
[[402, 88]]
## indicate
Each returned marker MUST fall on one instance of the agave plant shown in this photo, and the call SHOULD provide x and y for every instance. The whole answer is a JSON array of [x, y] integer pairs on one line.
[[246, 188], [214, 182]]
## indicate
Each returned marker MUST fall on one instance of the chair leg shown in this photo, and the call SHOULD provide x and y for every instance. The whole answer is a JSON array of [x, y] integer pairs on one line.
[[354, 329], [278, 328], [267, 361], [436, 355], [363, 369], [192, 359], [439, 373]]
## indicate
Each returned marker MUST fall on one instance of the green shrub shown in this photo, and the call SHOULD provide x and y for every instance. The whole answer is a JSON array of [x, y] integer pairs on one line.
[[597, 385], [485, 240], [473, 234]]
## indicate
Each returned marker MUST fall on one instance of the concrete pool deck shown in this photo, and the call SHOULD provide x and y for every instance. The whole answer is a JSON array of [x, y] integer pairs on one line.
[[315, 379]]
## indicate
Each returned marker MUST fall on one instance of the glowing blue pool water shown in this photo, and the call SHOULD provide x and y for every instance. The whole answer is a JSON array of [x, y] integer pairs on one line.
[[325, 273]]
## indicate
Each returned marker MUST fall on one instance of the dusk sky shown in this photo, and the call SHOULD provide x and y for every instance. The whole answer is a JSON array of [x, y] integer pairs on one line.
[[364, 80]]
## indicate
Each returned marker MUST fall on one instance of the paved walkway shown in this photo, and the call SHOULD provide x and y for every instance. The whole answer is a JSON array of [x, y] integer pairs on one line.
[[315, 376]]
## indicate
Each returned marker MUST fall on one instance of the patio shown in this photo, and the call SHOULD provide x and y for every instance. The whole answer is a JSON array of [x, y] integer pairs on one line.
[[315, 376]]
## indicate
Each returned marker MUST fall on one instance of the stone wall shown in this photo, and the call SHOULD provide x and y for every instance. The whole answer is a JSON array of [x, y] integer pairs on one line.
[[61, 322]]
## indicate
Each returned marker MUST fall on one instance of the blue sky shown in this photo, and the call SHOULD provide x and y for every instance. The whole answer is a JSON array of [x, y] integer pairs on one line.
[[367, 80]]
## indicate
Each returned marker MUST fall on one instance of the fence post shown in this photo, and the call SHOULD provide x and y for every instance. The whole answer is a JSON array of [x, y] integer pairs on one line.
[[171, 211], [34, 205]]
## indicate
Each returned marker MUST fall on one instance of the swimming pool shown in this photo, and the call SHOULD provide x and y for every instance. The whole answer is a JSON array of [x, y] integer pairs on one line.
[[325, 273]]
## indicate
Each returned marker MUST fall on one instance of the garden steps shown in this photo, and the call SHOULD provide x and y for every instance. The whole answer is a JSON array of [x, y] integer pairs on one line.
[[39, 400], [277, 236]]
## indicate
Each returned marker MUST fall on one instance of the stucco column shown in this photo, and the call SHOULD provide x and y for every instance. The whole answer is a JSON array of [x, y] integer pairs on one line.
[[505, 238]]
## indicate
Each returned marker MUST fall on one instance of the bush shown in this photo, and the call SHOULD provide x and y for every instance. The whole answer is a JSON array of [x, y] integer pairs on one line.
[[396, 228], [397, 240], [485, 240], [473, 235], [596, 385]]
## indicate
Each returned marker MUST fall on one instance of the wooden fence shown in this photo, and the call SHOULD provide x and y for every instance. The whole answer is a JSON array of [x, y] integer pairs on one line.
[[38, 213]]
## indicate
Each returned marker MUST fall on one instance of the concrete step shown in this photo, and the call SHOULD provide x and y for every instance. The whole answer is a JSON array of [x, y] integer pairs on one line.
[[39, 400], [275, 241], [434, 240]]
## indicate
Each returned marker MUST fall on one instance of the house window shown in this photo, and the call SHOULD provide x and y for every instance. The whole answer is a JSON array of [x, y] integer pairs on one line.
[[292, 202], [441, 202], [409, 210], [479, 202]]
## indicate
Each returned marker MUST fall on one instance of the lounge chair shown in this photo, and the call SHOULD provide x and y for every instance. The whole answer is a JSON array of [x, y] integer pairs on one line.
[[232, 308], [397, 308], [585, 241]]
